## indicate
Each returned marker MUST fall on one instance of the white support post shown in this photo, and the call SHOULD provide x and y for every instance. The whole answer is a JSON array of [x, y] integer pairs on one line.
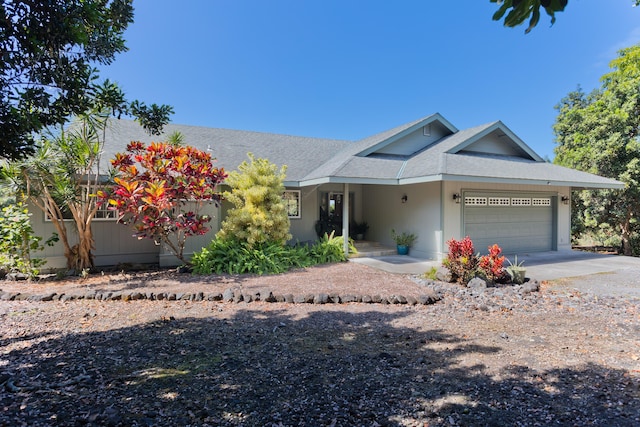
[[345, 219]]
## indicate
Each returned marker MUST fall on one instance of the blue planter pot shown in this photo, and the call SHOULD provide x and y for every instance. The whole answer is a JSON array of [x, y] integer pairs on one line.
[[403, 249]]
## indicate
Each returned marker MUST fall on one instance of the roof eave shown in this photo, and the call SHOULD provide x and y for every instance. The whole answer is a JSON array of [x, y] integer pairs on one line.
[[347, 180], [520, 181]]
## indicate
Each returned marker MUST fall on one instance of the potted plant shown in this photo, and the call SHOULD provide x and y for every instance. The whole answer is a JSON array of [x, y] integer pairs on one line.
[[360, 229], [516, 271], [403, 241]]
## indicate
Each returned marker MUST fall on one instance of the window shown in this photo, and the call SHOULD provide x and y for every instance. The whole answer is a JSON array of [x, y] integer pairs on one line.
[[292, 202], [103, 213], [475, 201], [499, 201]]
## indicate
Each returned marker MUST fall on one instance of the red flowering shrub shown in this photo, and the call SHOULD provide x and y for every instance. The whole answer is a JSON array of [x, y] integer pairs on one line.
[[491, 265], [462, 260], [159, 190], [464, 264]]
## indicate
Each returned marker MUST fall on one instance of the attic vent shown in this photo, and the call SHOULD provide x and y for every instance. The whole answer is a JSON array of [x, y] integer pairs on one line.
[[426, 130]]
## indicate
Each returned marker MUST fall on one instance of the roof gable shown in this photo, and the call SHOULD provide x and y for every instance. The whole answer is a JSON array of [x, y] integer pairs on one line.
[[496, 139], [409, 138]]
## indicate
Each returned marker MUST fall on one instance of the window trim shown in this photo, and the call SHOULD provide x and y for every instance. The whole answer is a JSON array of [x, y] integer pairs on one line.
[[296, 198]]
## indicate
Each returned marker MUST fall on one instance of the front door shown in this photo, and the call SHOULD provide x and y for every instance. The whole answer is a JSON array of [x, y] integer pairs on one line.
[[331, 210]]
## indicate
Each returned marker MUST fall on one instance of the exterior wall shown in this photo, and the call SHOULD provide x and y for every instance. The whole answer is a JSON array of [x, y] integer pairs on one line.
[[452, 211], [429, 212], [194, 243], [303, 228], [421, 214], [114, 243]]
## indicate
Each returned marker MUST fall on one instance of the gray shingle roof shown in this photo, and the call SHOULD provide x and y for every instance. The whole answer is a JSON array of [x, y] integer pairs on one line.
[[313, 161], [230, 147]]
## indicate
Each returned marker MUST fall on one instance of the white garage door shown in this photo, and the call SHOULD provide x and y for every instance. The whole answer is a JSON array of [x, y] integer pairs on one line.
[[517, 222]]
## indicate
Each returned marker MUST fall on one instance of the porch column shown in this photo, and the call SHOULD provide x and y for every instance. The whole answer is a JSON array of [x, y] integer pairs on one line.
[[345, 218]]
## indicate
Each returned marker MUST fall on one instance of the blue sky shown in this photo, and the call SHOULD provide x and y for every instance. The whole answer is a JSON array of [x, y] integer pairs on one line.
[[349, 69]]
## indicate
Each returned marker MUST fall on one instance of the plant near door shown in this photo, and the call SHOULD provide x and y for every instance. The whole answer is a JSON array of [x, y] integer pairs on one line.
[[404, 238], [403, 241]]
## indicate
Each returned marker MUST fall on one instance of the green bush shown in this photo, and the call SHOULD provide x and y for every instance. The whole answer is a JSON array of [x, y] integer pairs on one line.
[[259, 215], [224, 256], [17, 241]]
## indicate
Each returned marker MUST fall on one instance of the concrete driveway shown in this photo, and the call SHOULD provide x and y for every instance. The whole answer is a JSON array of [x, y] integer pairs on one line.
[[605, 275]]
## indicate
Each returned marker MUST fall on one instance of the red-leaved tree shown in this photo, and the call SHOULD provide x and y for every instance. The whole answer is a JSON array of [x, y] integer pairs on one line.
[[160, 190]]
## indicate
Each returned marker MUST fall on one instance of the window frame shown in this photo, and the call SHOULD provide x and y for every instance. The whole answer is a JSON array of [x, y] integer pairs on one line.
[[296, 199]]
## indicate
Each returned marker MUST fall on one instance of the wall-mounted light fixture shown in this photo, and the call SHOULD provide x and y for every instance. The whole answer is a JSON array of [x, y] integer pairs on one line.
[[564, 199], [456, 197], [404, 198]]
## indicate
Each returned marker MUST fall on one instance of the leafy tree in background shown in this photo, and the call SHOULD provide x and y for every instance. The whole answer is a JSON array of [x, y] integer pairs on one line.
[[598, 133], [18, 242], [160, 190], [62, 176], [48, 50], [50, 180], [259, 215], [521, 10]]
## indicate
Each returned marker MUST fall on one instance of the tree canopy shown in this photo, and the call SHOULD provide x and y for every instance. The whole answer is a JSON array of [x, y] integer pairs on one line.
[[49, 51], [598, 133], [518, 11]]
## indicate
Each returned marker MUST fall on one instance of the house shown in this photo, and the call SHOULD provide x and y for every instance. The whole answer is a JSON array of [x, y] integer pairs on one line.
[[425, 177]]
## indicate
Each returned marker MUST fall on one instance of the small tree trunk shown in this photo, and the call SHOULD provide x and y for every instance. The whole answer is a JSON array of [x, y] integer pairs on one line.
[[625, 234], [85, 259]]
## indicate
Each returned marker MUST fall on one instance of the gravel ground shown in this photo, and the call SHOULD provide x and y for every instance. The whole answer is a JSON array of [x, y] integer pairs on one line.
[[478, 357]]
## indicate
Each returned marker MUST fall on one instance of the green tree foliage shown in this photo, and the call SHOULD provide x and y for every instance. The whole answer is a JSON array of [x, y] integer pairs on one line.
[[259, 214], [598, 133], [518, 11], [47, 73], [62, 176], [18, 241]]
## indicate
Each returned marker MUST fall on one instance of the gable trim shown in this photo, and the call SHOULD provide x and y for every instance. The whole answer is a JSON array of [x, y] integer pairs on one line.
[[501, 126], [437, 117]]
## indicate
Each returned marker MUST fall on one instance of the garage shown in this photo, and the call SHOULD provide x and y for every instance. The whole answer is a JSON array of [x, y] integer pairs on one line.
[[517, 222]]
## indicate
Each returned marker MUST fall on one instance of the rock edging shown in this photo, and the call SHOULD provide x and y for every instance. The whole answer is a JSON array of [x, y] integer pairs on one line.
[[229, 295]]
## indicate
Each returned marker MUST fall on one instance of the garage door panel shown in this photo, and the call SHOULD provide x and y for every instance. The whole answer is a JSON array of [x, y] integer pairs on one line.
[[515, 228]]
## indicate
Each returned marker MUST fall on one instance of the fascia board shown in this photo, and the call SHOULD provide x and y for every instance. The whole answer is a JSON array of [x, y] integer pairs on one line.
[[421, 179], [457, 178], [552, 183], [347, 180]]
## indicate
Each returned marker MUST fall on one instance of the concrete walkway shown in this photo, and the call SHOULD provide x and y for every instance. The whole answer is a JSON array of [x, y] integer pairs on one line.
[[584, 271]]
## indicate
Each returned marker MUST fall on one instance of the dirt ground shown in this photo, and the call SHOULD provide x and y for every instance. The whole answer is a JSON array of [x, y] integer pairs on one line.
[[495, 356]]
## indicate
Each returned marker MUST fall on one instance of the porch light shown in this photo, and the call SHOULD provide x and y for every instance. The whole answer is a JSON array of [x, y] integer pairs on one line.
[[456, 197], [404, 198], [564, 199]]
